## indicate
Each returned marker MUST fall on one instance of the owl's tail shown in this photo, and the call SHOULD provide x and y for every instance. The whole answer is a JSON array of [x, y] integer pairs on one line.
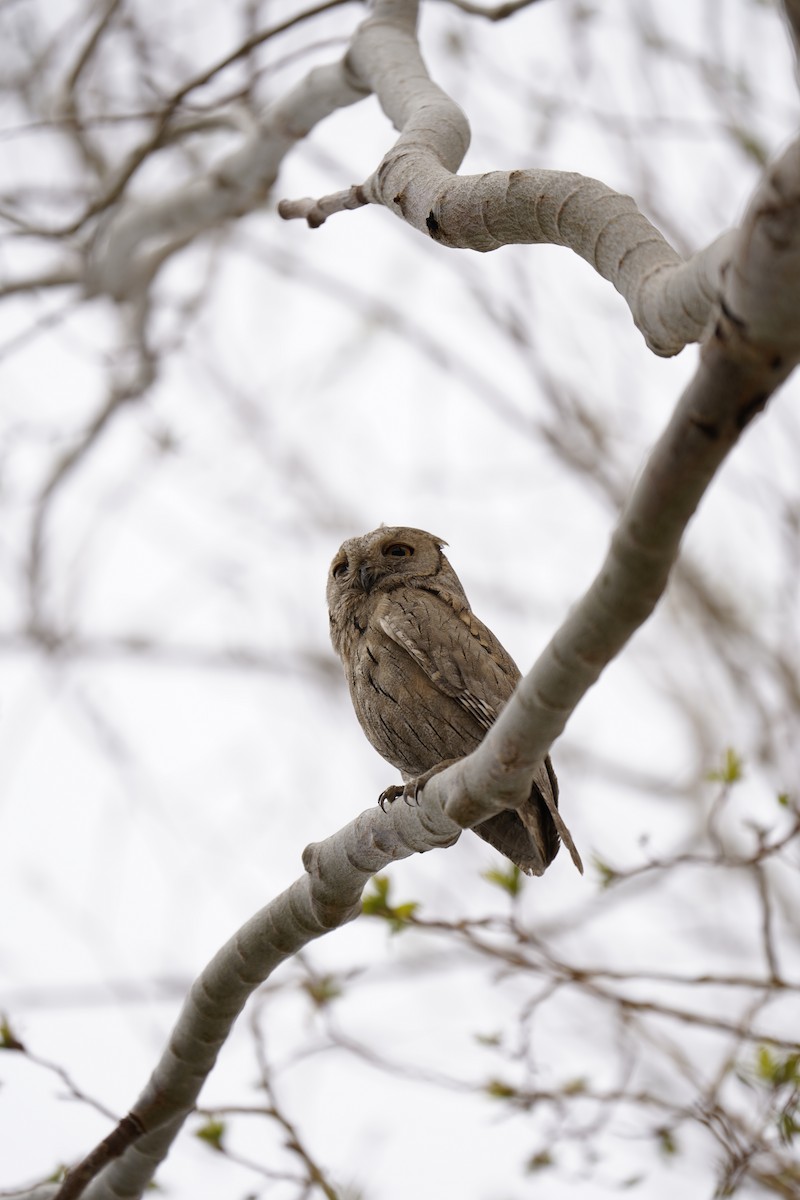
[[530, 837]]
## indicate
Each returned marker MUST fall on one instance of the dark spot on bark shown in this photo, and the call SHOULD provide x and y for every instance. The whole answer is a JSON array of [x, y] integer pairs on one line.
[[400, 201], [707, 427], [750, 410], [433, 224]]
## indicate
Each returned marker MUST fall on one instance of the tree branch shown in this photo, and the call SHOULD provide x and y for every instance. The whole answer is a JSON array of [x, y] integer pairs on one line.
[[327, 896], [749, 355], [135, 238], [141, 236], [672, 302]]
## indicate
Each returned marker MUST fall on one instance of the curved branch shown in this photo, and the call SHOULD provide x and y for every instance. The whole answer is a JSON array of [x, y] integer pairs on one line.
[[131, 382], [140, 153], [754, 348], [134, 238], [327, 896], [61, 277], [672, 301], [138, 239]]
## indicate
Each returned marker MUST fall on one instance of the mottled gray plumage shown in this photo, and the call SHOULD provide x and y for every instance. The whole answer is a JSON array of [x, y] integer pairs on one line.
[[426, 677]]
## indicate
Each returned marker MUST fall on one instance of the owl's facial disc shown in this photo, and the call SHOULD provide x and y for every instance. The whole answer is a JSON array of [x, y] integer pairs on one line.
[[392, 560], [367, 577], [386, 558]]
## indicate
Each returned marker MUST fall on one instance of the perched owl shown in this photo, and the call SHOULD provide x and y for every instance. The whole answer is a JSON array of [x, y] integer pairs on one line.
[[426, 677]]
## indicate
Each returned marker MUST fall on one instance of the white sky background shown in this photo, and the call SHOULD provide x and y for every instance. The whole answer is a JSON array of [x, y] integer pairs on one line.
[[148, 806]]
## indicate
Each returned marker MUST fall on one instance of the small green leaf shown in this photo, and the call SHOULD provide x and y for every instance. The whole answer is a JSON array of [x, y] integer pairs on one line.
[[212, 1133], [381, 885], [778, 1074], [574, 1087], [488, 1039], [666, 1141], [8, 1039], [608, 876], [732, 769], [322, 989], [766, 1064], [787, 1127], [540, 1161], [510, 879], [404, 912], [784, 799], [376, 904], [788, 1071], [752, 146], [500, 1090]]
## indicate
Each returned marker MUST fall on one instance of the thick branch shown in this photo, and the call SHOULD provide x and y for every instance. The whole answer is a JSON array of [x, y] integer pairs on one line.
[[132, 245], [672, 302], [327, 896], [134, 237], [755, 346]]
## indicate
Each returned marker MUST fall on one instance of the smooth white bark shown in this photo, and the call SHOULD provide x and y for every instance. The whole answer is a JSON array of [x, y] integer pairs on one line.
[[672, 302]]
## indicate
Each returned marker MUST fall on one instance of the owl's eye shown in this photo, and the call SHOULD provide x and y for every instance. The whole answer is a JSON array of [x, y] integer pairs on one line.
[[338, 569], [398, 550]]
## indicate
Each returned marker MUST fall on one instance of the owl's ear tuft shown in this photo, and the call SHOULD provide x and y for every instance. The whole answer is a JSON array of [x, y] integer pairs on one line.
[[439, 541]]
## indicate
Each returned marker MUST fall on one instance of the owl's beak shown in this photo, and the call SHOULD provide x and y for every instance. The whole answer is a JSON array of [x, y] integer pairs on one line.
[[368, 578]]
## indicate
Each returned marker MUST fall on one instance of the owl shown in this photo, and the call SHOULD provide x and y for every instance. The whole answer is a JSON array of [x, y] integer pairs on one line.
[[427, 678]]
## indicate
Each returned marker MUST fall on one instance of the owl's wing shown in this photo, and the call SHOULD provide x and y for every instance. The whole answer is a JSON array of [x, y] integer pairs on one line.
[[464, 659], [455, 650]]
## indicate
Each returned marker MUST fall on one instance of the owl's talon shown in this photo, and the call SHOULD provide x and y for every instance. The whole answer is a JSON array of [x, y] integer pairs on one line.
[[389, 795]]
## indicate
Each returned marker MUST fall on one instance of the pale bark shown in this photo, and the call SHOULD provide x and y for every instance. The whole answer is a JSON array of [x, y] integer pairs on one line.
[[132, 238], [140, 236], [671, 301]]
